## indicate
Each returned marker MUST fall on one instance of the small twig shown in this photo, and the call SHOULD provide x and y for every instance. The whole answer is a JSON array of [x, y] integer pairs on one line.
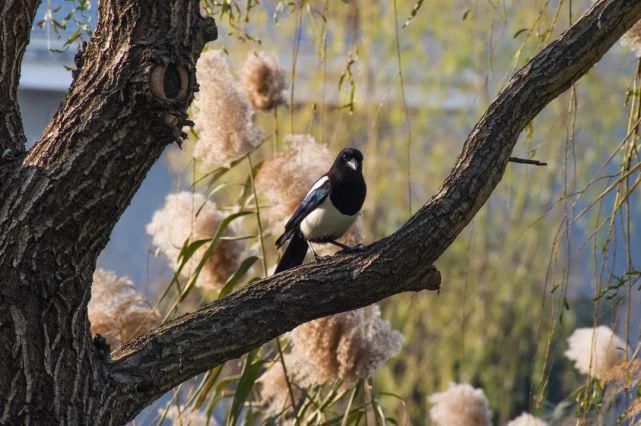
[[290, 389], [524, 161]]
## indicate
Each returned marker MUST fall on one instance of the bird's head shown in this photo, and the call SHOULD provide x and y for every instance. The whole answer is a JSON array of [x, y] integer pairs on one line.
[[350, 157]]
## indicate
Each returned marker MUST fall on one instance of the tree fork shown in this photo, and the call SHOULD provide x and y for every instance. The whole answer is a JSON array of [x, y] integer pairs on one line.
[[60, 202], [16, 19]]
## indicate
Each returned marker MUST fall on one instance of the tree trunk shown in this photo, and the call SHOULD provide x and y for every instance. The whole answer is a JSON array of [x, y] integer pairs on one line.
[[60, 201]]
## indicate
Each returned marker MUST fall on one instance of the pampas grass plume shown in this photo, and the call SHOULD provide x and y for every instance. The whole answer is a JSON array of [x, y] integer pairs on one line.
[[596, 351], [263, 80], [117, 311], [274, 392], [460, 405], [187, 215], [223, 117], [632, 39], [527, 419], [348, 346]]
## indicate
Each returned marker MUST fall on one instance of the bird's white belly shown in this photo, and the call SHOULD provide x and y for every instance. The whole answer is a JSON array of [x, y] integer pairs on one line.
[[326, 223]]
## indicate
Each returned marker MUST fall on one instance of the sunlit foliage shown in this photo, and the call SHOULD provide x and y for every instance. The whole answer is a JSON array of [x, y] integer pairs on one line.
[[555, 248]]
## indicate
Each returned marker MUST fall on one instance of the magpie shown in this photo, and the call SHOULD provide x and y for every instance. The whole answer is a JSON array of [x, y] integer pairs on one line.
[[327, 211]]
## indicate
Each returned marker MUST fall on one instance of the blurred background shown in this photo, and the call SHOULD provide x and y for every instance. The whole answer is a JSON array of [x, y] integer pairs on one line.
[[555, 248]]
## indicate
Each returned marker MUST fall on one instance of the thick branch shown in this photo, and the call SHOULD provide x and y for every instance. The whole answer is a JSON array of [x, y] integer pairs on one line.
[[254, 315], [227, 328], [16, 20]]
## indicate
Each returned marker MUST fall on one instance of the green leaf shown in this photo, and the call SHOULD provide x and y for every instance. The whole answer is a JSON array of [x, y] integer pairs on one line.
[[205, 387], [348, 409], [219, 395], [238, 238], [334, 396], [245, 384], [519, 32], [247, 186], [217, 173], [237, 276], [221, 173], [217, 188], [188, 251], [215, 240]]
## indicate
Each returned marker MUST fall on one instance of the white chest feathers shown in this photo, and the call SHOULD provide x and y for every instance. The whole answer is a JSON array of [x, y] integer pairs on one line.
[[326, 223]]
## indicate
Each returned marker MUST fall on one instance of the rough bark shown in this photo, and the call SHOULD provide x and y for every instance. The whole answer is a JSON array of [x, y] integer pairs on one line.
[[126, 104], [16, 19], [134, 82]]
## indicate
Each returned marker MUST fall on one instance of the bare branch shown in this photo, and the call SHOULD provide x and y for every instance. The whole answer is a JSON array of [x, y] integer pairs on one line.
[[189, 345], [16, 20], [526, 161], [230, 327]]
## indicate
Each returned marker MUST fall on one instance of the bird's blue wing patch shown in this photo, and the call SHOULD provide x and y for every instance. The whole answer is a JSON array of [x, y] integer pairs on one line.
[[313, 199]]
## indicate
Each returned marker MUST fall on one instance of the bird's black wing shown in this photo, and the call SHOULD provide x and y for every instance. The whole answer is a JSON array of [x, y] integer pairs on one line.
[[313, 199]]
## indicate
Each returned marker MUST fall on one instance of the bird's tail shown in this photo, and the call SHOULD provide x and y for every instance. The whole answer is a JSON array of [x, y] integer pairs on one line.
[[294, 253]]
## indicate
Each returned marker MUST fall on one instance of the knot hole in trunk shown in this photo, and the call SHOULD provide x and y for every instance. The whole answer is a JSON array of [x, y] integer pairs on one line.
[[170, 82]]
